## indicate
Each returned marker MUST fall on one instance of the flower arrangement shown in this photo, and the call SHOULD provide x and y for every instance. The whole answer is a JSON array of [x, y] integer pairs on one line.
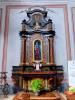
[[36, 85], [72, 89]]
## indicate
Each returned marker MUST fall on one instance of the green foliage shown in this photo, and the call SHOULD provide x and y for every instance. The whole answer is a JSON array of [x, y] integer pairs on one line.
[[36, 85], [72, 89]]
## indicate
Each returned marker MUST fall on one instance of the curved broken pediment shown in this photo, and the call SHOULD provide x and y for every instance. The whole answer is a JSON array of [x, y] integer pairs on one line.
[[38, 22]]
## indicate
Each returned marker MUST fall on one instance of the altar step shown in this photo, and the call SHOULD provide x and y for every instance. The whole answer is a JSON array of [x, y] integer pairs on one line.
[[48, 96], [61, 97]]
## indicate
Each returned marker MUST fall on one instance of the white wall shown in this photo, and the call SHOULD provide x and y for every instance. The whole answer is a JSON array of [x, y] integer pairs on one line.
[[15, 18]]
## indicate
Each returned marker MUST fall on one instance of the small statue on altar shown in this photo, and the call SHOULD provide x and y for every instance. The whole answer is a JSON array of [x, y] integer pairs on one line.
[[37, 65]]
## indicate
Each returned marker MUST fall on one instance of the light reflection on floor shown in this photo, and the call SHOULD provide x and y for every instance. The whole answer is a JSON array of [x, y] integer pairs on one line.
[[10, 97]]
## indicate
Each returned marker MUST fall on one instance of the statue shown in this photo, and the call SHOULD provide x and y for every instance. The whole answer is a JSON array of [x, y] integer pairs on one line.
[[37, 65]]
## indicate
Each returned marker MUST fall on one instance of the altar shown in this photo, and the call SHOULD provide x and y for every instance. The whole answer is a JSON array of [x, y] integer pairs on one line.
[[52, 77], [37, 52]]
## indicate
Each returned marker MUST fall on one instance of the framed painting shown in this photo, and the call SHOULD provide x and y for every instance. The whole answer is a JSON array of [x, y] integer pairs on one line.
[[37, 50]]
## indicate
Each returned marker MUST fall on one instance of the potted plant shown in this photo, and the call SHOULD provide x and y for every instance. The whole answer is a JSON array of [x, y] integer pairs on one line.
[[71, 91], [36, 85]]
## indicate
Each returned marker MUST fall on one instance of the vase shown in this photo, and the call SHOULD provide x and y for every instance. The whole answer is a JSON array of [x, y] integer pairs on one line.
[[36, 93]]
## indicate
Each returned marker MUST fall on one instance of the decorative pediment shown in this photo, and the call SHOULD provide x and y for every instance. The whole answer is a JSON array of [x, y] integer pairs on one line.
[[38, 22], [37, 19]]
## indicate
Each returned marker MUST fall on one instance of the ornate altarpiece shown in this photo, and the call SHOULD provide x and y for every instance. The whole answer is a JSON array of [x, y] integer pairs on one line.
[[37, 51]]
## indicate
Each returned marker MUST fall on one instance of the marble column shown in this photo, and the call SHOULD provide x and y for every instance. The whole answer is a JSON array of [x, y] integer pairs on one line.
[[51, 49], [23, 51]]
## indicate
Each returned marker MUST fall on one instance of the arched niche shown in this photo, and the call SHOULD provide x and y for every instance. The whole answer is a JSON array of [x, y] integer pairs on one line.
[[37, 50]]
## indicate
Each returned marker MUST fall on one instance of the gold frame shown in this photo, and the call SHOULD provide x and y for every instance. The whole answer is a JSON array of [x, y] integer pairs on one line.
[[41, 51]]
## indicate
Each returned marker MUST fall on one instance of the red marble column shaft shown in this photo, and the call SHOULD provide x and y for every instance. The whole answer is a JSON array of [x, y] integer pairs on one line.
[[51, 50], [23, 51]]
